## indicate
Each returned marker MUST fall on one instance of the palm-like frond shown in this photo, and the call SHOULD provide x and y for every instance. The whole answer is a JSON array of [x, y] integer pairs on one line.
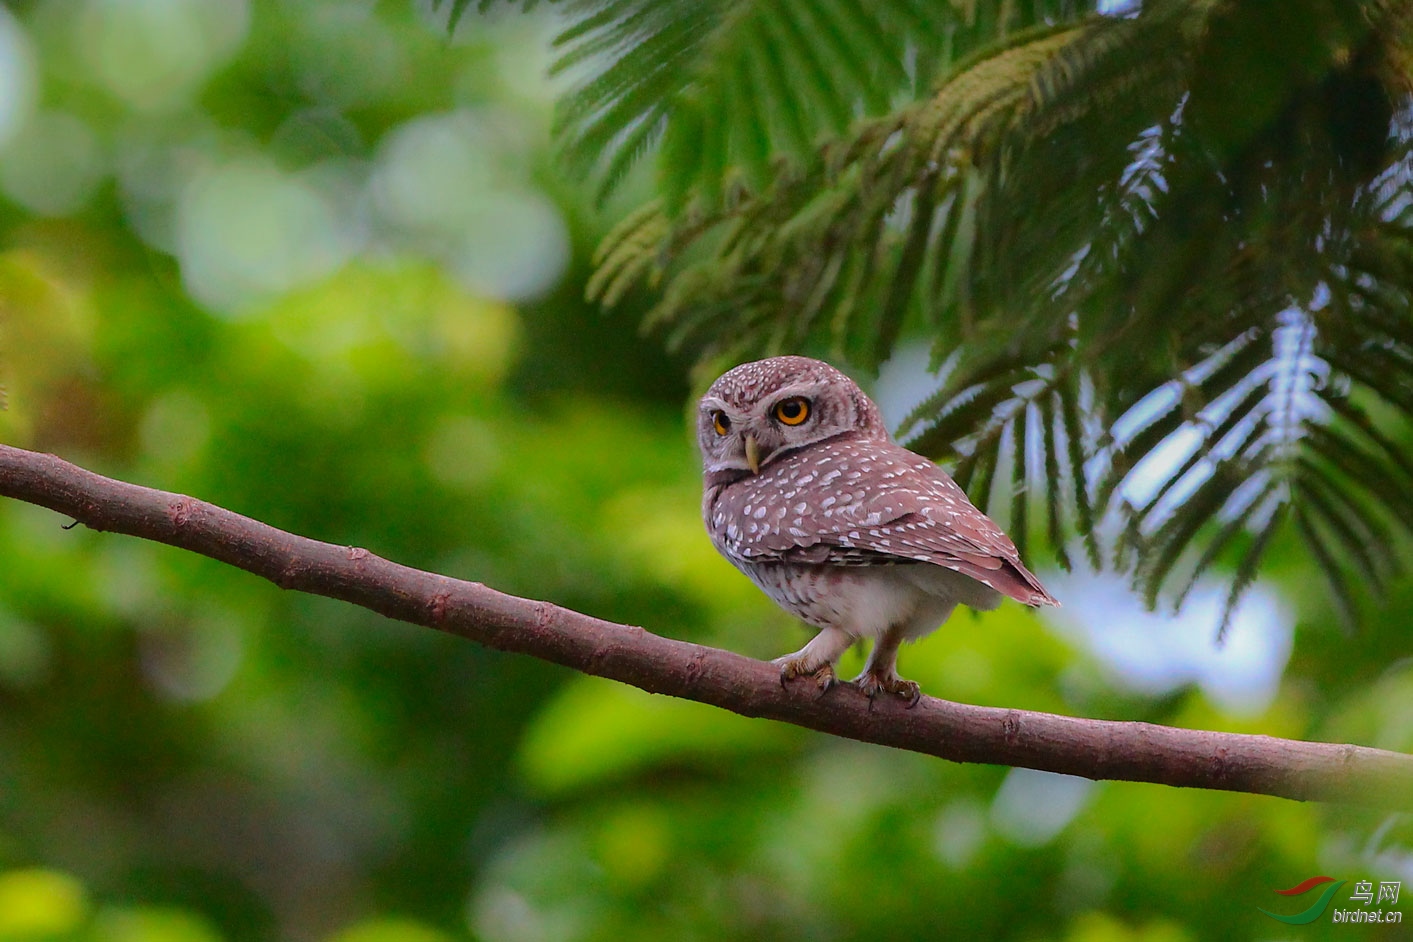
[[906, 201], [1165, 257], [739, 93]]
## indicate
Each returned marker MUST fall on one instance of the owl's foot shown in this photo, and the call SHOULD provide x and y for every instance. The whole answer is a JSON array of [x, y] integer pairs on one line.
[[873, 682], [798, 665], [815, 659]]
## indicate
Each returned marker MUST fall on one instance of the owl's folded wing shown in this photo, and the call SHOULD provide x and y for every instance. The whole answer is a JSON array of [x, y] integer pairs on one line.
[[856, 505]]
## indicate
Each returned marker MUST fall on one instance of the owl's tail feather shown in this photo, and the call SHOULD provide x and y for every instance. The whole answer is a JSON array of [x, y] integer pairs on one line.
[[1020, 584], [1007, 576]]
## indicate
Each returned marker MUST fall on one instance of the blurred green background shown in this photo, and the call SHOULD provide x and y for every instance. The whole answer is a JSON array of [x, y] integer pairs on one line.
[[315, 261]]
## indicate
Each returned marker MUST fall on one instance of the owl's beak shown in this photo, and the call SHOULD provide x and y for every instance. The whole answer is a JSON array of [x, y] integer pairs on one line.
[[753, 454]]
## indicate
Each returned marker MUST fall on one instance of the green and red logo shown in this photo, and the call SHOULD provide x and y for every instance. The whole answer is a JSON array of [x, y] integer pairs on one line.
[[1317, 908]]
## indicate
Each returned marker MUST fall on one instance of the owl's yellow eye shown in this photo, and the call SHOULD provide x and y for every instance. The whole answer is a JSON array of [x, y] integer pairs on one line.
[[721, 423], [793, 411]]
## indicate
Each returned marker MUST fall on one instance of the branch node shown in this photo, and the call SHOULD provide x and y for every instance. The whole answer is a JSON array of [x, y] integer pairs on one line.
[[290, 575], [694, 667], [92, 516], [596, 658], [181, 511], [1011, 726], [358, 553], [437, 610], [1221, 767]]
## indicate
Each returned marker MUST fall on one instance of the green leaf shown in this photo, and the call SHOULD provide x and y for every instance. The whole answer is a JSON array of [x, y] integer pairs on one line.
[[1068, 396], [1341, 590], [1049, 441]]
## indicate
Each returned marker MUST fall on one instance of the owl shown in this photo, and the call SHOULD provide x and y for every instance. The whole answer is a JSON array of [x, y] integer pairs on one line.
[[805, 492]]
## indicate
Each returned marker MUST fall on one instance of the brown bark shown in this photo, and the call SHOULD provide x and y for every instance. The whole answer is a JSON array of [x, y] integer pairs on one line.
[[1096, 749]]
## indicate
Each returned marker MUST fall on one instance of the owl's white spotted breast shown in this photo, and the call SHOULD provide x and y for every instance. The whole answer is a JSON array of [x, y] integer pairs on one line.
[[867, 601]]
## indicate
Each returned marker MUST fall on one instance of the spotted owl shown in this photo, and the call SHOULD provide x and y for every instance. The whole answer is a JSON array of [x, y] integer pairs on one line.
[[806, 493]]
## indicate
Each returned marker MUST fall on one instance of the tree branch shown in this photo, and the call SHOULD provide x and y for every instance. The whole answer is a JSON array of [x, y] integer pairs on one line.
[[1096, 749]]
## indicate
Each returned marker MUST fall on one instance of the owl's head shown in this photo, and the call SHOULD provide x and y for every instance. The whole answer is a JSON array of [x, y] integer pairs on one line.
[[759, 412]]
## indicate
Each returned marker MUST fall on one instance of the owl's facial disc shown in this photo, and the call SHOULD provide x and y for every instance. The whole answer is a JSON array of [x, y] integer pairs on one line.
[[760, 413]]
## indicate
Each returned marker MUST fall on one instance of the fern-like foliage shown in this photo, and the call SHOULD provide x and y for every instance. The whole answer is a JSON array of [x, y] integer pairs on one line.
[[736, 94], [1165, 257]]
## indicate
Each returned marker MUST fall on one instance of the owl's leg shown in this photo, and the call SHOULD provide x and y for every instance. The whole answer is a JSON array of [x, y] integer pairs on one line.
[[880, 673], [816, 659]]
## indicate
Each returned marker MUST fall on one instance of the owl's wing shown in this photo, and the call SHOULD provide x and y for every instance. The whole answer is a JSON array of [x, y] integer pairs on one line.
[[854, 501]]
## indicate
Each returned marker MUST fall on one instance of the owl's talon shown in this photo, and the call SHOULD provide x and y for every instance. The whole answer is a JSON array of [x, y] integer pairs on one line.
[[872, 683], [792, 666]]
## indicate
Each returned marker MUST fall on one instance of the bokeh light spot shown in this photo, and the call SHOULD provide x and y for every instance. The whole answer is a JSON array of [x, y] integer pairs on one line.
[[433, 170], [245, 230], [1158, 652], [442, 182], [1033, 807], [515, 246], [176, 428], [151, 924], [195, 662], [154, 54], [462, 452], [16, 76], [390, 930], [53, 166], [959, 832], [39, 903], [633, 844]]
